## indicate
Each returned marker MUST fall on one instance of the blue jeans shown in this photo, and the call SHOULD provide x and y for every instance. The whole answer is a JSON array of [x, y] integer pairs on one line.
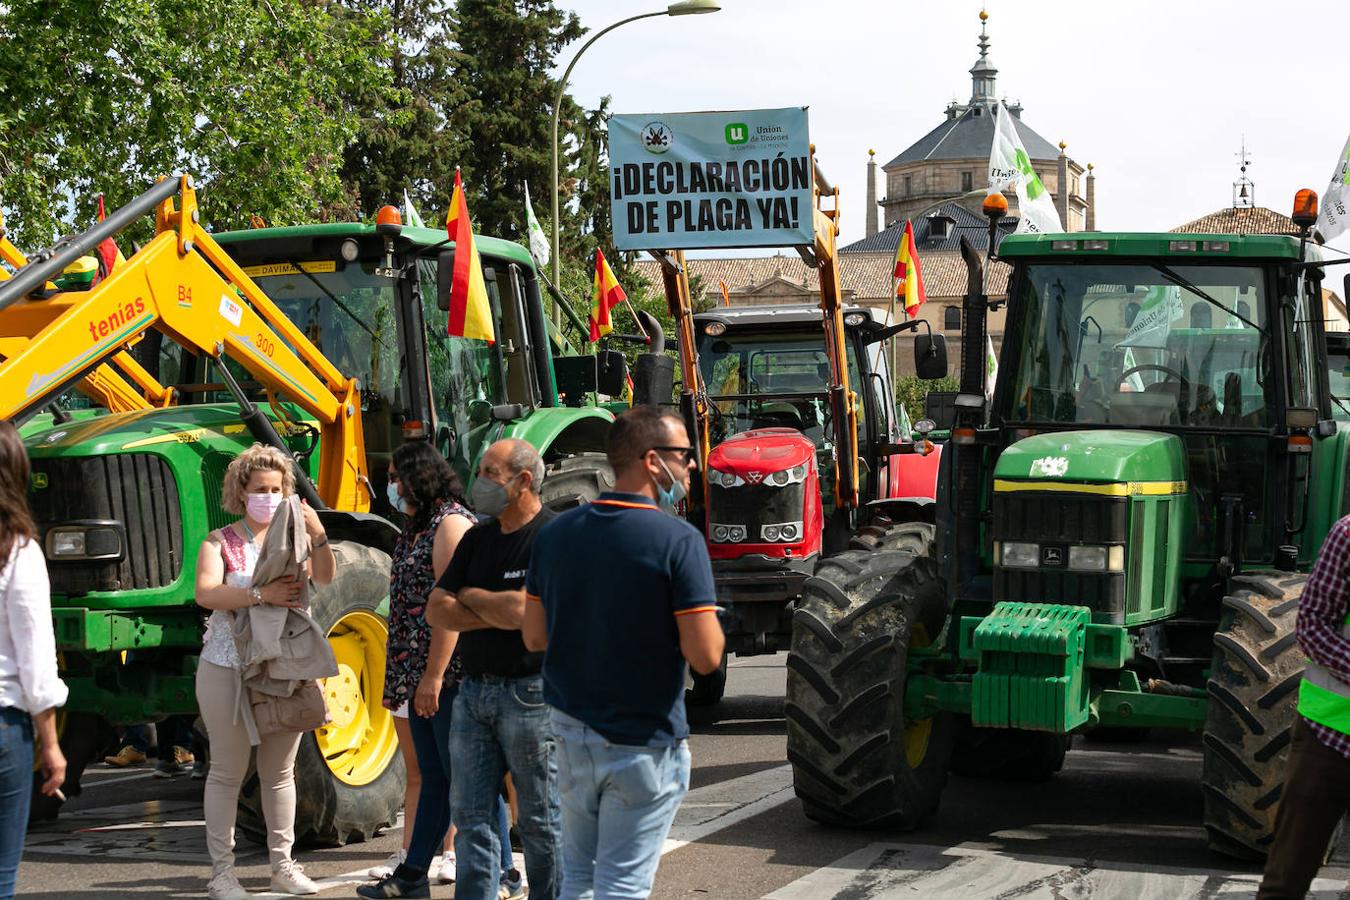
[[431, 743], [501, 725], [618, 805], [16, 791]]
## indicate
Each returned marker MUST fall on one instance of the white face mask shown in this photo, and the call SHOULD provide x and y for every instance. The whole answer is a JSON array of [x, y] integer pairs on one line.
[[261, 507], [396, 499]]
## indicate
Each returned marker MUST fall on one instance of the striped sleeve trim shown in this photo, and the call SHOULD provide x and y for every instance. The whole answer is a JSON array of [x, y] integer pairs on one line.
[[696, 609], [533, 598]]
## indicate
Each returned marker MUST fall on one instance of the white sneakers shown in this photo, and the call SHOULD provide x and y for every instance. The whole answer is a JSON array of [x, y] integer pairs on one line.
[[224, 886], [289, 878], [443, 869], [386, 868]]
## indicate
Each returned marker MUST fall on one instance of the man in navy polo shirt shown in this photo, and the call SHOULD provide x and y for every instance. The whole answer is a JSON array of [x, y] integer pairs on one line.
[[622, 596]]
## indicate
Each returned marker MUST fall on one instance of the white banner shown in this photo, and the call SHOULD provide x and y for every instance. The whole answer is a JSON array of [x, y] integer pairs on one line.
[[1161, 307], [410, 212], [1334, 216], [1009, 166], [990, 368]]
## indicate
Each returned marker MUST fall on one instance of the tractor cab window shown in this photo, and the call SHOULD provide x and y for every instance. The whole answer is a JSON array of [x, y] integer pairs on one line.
[[771, 379], [1338, 373], [1142, 346]]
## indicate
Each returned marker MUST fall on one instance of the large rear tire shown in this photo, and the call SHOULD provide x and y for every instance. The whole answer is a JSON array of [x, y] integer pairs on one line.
[[574, 480], [349, 775], [856, 760], [1253, 697], [913, 537]]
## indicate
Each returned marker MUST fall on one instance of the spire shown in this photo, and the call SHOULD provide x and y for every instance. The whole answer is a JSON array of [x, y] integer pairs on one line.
[[983, 73], [1244, 189]]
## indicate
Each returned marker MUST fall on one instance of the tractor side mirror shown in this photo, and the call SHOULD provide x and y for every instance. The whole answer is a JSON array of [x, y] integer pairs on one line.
[[930, 356], [445, 276], [611, 375]]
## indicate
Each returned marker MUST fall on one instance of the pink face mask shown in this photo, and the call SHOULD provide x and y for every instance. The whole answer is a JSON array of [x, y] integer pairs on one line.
[[262, 506]]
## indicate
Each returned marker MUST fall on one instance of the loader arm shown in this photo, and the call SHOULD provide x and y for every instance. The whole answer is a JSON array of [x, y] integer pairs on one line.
[[694, 405], [843, 400], [183, 284], [104, 385]]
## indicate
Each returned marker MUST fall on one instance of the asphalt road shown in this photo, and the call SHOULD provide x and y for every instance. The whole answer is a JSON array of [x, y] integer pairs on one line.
[[1119, 821]]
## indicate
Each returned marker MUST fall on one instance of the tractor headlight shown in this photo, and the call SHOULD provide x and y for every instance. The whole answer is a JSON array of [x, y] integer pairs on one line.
[[797, 473], [771, 533], [720, 534], [790, 532], [784, 531], [779, 479], [723, 479], [85, 541], [737, 533], [1018, 555], [1087, 559]]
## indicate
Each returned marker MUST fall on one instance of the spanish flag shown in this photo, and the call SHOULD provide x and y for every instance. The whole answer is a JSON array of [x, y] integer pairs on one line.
[[908, 277], [470, 312], [608, 295]]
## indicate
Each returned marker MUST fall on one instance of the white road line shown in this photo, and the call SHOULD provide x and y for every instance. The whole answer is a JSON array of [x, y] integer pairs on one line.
[[117, 779], [883, 871], [716, 806]]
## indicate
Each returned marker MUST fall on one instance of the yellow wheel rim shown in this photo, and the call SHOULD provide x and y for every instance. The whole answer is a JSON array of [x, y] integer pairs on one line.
[[917, 734], [360, 741]]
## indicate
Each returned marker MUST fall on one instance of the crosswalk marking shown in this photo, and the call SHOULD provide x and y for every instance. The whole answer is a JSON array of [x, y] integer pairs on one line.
[[887, 871], [716, 806]]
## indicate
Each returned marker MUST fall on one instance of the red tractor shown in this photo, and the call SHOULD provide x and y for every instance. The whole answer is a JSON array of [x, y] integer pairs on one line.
[[802, 451]]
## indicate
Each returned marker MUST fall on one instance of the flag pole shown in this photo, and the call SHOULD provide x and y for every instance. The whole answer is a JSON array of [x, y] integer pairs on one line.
[[629, 303]]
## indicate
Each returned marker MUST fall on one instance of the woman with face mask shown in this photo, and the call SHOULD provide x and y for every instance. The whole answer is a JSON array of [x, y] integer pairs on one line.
[[255, 484], [421, 669]]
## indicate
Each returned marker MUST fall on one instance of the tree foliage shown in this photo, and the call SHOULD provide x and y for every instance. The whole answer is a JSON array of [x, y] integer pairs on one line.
[[254, 98]]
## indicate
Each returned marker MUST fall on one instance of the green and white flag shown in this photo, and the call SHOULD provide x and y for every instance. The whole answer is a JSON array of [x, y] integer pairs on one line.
[[1160, 308], [410, 212], [990, 369], [1334, 216], [539, 247], [1010, 167]]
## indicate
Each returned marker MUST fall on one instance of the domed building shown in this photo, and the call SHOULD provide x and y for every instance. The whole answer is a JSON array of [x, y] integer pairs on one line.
[[953, 159]]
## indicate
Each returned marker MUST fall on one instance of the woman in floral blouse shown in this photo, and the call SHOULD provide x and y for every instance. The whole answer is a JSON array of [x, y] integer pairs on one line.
[[422, 671]]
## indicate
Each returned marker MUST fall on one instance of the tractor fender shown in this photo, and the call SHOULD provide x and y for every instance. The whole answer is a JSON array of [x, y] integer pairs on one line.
[[562, 431]]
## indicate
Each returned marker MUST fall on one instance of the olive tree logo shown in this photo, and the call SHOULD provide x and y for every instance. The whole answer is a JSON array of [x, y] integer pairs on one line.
[[657, 137], [737, 133]]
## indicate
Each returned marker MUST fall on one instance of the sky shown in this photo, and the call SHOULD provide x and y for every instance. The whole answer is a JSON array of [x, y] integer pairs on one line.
[[1158, 96]]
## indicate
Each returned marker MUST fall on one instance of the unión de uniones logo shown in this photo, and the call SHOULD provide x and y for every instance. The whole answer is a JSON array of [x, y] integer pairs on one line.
[[737, 133], [657, 137]]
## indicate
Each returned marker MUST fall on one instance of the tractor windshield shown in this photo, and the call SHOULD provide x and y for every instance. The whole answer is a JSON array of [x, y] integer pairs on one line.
[[1143, 346], [768, 379]]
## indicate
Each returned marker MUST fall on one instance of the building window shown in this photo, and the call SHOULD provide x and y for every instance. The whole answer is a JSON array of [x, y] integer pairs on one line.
[[967, 179], [951, 318], [909, 185]]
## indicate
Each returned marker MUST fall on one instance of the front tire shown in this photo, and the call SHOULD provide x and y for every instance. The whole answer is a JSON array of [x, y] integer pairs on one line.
[[856, 760], [1253, 698], [576, 480], [349, 775]]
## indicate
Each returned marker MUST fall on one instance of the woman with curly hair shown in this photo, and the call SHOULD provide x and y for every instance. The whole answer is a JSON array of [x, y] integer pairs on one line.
[[255, 484]]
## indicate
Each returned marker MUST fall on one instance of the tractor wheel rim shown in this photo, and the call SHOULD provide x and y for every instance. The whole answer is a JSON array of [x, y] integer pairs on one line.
[[917, 734], [359, 743]]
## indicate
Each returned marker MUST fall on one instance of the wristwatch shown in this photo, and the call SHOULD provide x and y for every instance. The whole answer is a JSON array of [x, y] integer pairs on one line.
[[255, 596]]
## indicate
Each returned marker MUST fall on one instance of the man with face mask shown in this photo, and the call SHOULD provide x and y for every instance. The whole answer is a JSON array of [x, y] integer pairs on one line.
[[499, 723], [622, 597]]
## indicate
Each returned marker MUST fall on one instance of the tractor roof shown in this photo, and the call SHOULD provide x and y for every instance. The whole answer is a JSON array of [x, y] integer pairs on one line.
[[426, 237], [1180, 247], [778, 316]]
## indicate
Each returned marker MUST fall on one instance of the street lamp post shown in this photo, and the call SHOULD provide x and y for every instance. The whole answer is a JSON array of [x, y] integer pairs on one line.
[[682, 8]]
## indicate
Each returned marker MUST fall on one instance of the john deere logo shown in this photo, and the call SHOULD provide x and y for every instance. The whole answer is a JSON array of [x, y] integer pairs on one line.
[[657, 137], [737, 133], [38, 480], [1052, 556]]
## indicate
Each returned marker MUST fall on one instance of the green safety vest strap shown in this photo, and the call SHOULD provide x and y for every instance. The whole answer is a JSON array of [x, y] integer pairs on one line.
[[1323, 698]]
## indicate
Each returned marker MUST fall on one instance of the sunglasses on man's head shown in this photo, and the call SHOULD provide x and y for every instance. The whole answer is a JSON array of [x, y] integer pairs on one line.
[[688, 452]]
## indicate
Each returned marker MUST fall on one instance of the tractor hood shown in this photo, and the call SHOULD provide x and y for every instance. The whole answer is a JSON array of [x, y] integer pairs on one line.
[[1095, 457], [116, 432], [754, 454]]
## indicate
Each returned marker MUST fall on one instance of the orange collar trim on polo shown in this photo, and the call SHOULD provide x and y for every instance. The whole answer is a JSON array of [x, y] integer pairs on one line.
[[625, 504]]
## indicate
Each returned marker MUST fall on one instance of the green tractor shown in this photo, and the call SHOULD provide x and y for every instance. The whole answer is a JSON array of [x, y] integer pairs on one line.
[[1123, 534], [122, 499]]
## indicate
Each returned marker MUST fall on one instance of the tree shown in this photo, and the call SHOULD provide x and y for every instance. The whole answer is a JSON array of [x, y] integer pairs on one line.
[[404, 141], [253, 98], [503, 53]]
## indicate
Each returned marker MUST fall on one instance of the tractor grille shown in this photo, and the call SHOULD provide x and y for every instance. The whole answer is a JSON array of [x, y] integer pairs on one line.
[[1050, 516], [1060, 519], [756, 505], [136, 489]]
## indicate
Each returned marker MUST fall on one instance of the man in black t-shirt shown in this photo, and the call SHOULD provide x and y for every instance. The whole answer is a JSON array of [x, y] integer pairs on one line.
[[500, 723]]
